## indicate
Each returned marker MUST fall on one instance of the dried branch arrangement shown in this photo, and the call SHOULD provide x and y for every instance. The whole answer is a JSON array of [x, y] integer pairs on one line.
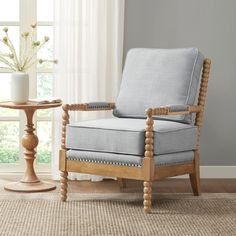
[[27, 56]]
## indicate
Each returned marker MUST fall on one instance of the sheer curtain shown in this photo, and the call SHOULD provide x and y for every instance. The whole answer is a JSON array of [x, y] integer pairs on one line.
[[89, 48]]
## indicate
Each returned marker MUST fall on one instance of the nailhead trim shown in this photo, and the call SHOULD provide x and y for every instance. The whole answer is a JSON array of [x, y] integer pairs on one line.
[[103, 162]]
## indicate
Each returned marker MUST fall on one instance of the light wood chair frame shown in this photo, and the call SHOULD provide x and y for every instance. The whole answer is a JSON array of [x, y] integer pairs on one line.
[[148, 172]]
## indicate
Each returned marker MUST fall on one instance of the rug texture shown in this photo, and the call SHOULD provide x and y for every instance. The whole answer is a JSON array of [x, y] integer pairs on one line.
[[175, 215]]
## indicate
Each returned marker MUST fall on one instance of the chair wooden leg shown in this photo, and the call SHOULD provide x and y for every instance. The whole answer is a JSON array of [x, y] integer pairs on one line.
[[195, 183], [195, 177], [147, 196], [121, 182], [64, 185]]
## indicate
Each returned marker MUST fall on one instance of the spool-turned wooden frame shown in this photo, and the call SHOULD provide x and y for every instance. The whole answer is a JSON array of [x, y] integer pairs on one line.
[[148, 172]]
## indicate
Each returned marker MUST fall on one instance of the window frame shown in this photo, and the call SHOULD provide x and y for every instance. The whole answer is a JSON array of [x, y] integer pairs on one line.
[[26, 17]]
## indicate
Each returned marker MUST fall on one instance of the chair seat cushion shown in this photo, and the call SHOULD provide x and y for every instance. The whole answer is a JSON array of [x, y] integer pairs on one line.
[[127, 136], [128, 160]]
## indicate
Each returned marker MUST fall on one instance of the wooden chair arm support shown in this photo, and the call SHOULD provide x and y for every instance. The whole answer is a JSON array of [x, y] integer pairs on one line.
[[92, 106], [175, 110]]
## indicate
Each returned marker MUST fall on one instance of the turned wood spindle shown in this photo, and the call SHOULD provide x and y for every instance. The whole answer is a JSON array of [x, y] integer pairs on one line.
[[195, 176], [147, 185], [64, 185]]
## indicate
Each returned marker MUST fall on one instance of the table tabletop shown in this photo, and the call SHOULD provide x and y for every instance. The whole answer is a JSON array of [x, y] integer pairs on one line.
[[29, 105]]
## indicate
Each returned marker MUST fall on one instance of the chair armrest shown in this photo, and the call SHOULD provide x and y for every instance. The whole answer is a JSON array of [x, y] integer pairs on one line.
[[176, 110], [91, 106]]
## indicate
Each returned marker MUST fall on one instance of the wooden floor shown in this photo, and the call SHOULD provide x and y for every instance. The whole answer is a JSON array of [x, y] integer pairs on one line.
[[165, 186]]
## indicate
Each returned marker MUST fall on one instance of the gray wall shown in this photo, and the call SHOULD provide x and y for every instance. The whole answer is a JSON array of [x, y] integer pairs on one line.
[[209, 25]]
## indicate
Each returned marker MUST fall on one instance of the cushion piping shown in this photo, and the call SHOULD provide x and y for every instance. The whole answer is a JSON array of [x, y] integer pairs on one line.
[[136, 131], [174, 163], [191, 80], [105, 151]]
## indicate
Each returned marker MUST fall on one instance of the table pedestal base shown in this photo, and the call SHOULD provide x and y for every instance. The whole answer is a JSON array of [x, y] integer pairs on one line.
[[30, 182], [19, 186]]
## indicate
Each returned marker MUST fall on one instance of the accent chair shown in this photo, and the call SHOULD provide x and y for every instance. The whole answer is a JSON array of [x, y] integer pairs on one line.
[[155, 131]]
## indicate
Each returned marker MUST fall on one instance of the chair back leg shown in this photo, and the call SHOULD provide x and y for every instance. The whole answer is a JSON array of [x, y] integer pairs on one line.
[[121, 182], [195, 176]]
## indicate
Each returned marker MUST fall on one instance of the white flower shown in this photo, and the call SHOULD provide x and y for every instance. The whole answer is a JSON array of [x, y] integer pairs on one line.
[[5, 40], [35, 43], [25, 34], [46, 38], [5, 29], [34, 25]]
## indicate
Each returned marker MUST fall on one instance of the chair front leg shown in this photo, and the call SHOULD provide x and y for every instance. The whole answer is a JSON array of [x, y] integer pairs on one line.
[[149, 163], [64, 185], [147, 196]]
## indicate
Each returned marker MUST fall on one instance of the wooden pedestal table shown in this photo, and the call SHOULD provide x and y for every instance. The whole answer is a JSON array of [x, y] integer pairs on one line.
[[30, 182]]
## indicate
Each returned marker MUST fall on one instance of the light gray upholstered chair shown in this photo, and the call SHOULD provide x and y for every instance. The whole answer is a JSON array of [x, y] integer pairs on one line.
[[155, 131]]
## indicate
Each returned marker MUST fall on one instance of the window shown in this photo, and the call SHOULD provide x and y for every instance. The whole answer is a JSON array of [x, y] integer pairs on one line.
[[18, 15]]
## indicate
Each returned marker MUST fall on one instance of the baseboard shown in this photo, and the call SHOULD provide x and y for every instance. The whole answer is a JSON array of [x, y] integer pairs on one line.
[[215, 172]]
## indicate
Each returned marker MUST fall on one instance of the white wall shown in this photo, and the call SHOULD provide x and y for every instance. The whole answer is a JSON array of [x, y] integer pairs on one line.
[[209, 25]]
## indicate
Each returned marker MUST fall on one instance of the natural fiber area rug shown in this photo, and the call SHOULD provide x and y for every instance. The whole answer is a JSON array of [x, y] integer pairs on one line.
[[178, 214]]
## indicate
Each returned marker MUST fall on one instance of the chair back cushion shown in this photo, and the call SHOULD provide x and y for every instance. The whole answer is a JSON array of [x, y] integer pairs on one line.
[[159, 77]]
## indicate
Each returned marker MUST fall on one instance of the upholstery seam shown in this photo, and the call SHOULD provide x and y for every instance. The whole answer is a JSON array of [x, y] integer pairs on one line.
[[174, 163], [105, 151], [133, 131], [191, 81], [125, 153]]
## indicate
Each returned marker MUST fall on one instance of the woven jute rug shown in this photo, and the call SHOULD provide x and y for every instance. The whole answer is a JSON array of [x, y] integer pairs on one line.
[[180, 214]]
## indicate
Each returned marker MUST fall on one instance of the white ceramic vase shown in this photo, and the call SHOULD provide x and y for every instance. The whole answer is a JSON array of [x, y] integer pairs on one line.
[[19, 87]]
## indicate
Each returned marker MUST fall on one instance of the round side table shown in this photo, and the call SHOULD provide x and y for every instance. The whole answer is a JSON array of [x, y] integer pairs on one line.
[[30, 182]]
